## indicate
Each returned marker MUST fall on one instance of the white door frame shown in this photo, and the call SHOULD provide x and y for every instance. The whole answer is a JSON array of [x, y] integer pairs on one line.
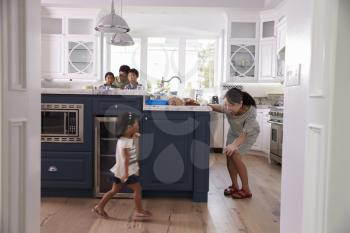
[[20, 116]]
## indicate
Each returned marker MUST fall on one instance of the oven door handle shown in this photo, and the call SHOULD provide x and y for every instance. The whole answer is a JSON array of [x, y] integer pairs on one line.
[[274, 122], [65, 123]]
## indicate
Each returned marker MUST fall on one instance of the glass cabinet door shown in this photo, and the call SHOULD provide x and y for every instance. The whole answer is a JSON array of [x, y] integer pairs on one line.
[[105, 156], [242, 60], [105, 146], [80, 57]]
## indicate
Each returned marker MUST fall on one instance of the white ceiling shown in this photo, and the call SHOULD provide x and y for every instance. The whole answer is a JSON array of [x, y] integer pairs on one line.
[[249, 4]]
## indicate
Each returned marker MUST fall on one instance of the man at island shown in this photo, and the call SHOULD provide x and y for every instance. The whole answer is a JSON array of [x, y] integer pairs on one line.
[[122, 80]]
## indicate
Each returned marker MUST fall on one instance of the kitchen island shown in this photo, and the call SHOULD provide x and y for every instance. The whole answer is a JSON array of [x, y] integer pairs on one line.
[[173, 148]]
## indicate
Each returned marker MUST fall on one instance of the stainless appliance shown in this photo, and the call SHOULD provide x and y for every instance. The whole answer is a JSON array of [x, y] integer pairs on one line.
[[62, 123], [276, 140], [105, 147], [215, 99]]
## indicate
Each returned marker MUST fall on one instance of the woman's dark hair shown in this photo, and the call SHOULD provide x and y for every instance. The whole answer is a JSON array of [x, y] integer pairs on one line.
[[124, 68], [109, 73], [134, 71], [235, 95], [124, 120]]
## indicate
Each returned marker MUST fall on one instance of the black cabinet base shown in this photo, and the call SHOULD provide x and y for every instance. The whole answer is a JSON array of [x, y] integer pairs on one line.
[[200, 197], [196, 196], [66, 192]]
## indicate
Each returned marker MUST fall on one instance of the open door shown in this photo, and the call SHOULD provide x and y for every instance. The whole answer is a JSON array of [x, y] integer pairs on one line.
[[20, 116]]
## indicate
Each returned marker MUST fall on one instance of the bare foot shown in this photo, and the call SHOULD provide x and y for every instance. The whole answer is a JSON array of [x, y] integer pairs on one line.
[[142, 215], [100, 212]]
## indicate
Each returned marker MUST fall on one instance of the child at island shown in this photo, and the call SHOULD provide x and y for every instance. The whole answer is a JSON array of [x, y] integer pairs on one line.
[[133, 75], [125, 171]]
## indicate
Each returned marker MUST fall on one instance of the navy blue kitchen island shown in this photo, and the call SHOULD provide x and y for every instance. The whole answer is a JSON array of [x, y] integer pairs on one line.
[[173, 148]]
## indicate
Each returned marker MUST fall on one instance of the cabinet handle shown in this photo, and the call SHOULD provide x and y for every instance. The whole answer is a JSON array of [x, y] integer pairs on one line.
[[146, 118], [116, 106], [52, 169]]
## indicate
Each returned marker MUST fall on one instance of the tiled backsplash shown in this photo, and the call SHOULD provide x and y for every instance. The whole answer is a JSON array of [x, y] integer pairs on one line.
[[271, 100]]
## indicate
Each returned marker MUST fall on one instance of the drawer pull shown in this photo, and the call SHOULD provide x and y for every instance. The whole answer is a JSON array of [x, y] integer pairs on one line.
[[52, 169]]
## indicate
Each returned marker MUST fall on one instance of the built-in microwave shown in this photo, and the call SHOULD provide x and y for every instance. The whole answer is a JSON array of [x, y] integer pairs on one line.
[[62, 123]]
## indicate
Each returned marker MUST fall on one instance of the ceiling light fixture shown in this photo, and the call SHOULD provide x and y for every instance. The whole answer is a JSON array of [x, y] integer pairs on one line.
[[112, 23], [123, 39]]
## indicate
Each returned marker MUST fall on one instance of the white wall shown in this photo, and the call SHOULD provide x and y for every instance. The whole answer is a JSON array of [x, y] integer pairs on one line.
[[298, 48], [161, 21], [339, 173]]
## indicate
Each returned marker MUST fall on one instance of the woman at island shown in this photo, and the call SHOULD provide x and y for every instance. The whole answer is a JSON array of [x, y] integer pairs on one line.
[[240, 110]]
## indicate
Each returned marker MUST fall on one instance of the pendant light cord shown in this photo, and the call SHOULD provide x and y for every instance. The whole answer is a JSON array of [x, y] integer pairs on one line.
[[121, 8], [112, 8]]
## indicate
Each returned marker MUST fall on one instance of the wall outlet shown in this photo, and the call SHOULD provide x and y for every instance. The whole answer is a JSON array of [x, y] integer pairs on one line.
[[293, 75]]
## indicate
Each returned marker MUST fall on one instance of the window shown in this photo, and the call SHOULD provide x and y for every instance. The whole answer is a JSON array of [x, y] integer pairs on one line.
[[192, 59], [162, 61], [125, 55], [199, 63]]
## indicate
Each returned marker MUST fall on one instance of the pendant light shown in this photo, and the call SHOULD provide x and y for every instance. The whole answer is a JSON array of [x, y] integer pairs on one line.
[[122, 39], [112, 23]]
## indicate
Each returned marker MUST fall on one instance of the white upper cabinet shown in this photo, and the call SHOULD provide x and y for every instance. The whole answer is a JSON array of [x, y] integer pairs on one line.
[[80, 56], [52, 54], [51, 25], [281, 32], [81, 26], [267, 29], [256, 46], [69, 44], [242, 61], [267, 60], [243, 30], [267, 51], [242, 51]]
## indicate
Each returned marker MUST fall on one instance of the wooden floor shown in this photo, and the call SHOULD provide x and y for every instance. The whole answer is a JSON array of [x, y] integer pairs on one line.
[[221, 214]]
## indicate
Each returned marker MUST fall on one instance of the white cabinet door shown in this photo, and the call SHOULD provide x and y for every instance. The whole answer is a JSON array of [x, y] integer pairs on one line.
[[81, 56], [226, 129], [258, 144], [242, 62], [216, 130], [52, 49], [267, 60], [281, 32], [266, 132]]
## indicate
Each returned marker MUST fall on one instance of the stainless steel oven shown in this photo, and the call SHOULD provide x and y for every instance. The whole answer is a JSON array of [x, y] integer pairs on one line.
[[62, 123], [276, 141]]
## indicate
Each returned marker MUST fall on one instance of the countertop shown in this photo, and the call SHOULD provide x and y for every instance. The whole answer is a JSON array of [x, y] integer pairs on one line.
[[176, 108], [63, 91], [91, 92]]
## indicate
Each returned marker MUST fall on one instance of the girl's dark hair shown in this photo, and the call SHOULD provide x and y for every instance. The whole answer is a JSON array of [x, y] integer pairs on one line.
[[108, 73], [235, 95], [134, 71], [124, 120]]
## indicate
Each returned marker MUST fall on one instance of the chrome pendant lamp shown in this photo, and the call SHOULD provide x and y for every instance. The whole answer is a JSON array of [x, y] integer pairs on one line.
[[112, 23], [123, 39]]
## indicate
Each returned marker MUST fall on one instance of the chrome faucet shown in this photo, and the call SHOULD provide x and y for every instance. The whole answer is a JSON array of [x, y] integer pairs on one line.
[[167, 81]]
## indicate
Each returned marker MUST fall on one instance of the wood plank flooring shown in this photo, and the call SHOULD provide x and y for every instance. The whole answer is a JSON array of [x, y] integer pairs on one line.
[[220, 215]]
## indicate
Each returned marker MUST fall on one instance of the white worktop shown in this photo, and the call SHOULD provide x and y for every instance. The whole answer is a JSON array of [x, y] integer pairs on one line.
[[176, 108], [67, 91]]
